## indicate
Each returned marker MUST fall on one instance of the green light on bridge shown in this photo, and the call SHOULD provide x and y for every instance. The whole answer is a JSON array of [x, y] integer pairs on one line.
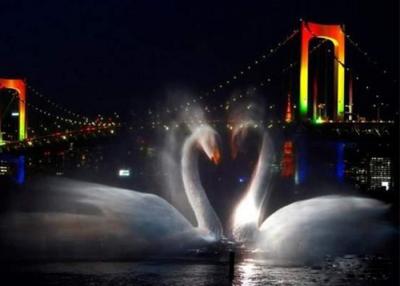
[[319, 120]]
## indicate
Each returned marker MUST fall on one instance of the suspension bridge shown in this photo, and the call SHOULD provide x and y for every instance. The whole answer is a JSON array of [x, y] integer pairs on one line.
[[318, 88]]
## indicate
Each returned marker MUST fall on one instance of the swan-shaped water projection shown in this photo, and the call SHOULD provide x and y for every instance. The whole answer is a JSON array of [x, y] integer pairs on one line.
[[68, 219], [305, 230]]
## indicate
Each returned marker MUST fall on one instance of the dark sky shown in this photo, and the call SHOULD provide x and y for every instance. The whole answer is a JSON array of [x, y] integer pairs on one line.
[[108, 55]]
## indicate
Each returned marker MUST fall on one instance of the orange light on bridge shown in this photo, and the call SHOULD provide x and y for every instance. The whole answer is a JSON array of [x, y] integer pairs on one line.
[[335, 34], [18, 85]]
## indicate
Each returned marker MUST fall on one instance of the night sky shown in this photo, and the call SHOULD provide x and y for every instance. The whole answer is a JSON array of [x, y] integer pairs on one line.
[[110, 55]]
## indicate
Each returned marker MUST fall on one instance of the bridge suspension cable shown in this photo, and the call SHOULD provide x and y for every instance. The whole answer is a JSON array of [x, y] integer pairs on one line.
[[72, 118], [76, 122], [287, 67], [265, 82], [259, 60], [56, 105], [355, 74], [360, 50], [235, 76], [366, 55]]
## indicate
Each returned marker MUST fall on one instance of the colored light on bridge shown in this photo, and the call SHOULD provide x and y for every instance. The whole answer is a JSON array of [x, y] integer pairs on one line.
[[335, 34], [18, 85], [319, 120]]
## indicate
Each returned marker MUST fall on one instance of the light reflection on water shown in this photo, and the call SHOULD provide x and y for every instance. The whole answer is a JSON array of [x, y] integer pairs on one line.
[[249, 272], [246, 273], [341, 271]]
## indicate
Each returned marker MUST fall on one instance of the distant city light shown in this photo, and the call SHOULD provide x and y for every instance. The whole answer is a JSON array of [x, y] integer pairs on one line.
[[242, 179], [14, 114], [3, 170], [319, 120], [124, 172], [385, 184], [380, 171]]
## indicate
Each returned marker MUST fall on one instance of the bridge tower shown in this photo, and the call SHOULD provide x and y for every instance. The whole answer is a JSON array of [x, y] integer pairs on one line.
[[289, 110], [18, 161], [335, 34], [19, 86]]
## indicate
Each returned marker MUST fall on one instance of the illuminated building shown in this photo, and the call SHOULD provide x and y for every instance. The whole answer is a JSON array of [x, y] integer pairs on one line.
[[359, 175], [380, 173], [335, 34]]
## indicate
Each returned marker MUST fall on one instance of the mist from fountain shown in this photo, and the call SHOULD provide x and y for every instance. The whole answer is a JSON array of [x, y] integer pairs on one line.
[[305, 230], [60, 218]]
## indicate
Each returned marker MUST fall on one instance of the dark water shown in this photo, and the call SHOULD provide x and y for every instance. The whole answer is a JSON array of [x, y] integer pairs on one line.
[[347, 270], [305, 170]]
